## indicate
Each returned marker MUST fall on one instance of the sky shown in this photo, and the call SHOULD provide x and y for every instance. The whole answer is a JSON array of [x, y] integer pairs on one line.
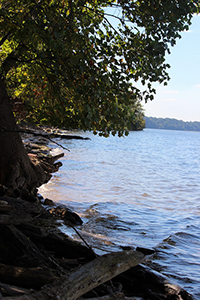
[[180, 99]]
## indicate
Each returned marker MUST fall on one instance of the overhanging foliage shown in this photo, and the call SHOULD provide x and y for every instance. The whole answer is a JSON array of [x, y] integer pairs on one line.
[[69, 66]]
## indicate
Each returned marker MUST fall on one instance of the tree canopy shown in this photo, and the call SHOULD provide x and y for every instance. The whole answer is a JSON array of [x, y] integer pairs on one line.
[[77, 63]]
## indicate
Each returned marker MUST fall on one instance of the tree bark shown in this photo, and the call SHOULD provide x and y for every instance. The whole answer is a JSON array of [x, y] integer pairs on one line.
[[16, 170], [95, 273]]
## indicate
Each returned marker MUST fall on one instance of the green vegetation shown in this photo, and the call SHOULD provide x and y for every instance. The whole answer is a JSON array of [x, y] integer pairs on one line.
[[65, 64], [172, 124], [138, 121]]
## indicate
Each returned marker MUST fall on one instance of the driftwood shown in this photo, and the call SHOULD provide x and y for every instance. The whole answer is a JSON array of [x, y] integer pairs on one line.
[[5, 208], [26, 277], [11, 290], [89, 276], [114, 296], [24, 297], [97, 272], [48, 135], [34, 244]]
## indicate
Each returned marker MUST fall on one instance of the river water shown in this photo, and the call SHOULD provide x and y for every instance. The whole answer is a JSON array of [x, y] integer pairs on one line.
[[139, 191]]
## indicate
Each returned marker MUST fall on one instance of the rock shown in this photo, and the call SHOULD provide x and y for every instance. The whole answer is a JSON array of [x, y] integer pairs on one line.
[[66, 215], [23, 211], [144, 282], [26, 195], [145, 251], [73, 218], [31, 241], [48, 202]]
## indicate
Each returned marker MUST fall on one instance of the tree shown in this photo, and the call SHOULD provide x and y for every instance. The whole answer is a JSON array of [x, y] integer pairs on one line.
[[172, 124], [70, 66], [138, 121]]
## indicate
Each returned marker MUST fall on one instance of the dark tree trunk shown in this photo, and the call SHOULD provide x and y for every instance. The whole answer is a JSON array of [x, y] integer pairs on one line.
[[17, 172]]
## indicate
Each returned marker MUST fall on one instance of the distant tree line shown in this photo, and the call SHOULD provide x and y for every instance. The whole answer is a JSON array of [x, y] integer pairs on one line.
[[172, 124]]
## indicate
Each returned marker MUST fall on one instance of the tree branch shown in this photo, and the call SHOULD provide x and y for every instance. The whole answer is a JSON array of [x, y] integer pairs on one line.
[[4, 129]]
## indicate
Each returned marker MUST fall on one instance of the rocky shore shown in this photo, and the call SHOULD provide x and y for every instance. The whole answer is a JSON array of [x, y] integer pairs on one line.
[[39, 261]]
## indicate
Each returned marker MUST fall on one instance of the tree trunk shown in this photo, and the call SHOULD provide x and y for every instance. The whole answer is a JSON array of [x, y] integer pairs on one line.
[[16, 170]]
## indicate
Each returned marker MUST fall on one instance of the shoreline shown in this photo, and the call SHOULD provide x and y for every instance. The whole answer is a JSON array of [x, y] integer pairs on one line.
[[48, 257]]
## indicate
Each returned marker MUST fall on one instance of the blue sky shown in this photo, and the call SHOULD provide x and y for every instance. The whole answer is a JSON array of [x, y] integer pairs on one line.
[[180, 99]]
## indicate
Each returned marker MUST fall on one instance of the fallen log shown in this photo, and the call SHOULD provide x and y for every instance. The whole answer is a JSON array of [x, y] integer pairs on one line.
[[5, 208], [49, 135], [87, 277], [23, 297], [95, 273], [115, 296], [26, 277], [11, 290]]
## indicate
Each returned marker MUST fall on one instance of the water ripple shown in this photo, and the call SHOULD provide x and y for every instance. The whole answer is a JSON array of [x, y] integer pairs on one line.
[[143, 191]]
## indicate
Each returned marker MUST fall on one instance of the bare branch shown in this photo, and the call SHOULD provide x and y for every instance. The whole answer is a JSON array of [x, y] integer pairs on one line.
[[46, 136]]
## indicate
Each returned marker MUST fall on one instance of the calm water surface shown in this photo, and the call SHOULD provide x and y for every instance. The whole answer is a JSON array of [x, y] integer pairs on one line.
[[142, 190]]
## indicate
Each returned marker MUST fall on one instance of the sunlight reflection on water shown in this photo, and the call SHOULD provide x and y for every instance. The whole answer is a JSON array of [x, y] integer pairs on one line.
[[142, 190]]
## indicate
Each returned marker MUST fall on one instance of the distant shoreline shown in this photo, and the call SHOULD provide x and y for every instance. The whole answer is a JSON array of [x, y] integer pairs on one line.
[[171, 124]]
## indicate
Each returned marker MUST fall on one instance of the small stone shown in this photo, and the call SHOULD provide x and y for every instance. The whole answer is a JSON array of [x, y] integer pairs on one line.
[[73, 218], [66, 214], [48, 202]]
